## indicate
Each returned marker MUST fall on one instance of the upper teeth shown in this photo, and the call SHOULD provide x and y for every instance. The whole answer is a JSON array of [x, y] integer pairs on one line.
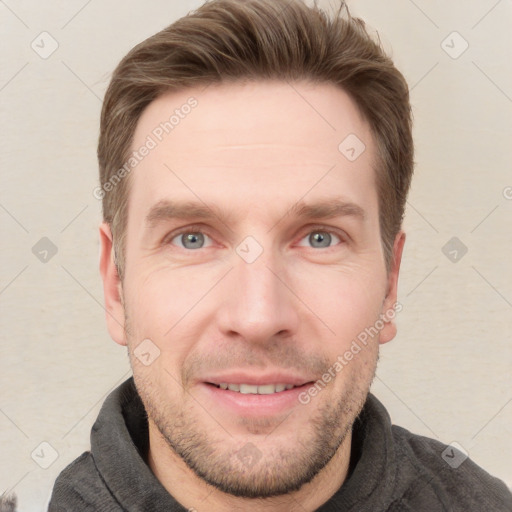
[[266, 389]]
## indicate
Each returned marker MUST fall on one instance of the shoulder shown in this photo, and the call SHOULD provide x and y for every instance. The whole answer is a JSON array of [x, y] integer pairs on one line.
[[449, 473], [79, 487]]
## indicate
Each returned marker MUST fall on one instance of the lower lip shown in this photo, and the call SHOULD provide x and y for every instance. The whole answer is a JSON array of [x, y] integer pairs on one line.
[[253, 404]]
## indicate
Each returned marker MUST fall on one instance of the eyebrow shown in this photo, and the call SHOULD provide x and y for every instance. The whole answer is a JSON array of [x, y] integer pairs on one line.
[[165, 210]]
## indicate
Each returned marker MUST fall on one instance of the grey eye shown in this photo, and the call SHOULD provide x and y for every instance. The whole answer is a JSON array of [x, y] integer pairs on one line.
[[321, 238], [191, 240]]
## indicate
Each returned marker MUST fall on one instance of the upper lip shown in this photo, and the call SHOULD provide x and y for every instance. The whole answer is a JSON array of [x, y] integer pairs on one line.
[[240, 377]]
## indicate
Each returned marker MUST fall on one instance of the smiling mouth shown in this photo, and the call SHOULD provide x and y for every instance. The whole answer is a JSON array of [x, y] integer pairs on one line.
[[252, 389]]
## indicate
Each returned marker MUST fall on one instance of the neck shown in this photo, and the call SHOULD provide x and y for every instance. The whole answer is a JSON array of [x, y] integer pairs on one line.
[[195, 494]]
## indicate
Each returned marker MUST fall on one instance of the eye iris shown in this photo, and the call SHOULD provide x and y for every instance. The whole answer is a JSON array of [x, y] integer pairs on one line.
[[321, 237], [193, 238]]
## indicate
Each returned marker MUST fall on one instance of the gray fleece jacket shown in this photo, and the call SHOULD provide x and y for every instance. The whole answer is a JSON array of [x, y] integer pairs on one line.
[[391, 469]]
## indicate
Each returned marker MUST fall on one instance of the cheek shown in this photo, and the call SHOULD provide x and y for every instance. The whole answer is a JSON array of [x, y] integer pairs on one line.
[[163, 306], [157, 349], [156, 300], [346, 299]]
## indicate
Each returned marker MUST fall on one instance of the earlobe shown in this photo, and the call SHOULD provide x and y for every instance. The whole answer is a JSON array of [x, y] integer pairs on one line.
[[111, 287], [389, 309]]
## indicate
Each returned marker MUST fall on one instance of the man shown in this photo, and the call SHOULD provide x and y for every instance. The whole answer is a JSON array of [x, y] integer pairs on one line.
[[255, 158]]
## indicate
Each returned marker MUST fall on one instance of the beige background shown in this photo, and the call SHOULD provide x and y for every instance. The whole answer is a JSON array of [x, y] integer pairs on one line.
[[447, 375]]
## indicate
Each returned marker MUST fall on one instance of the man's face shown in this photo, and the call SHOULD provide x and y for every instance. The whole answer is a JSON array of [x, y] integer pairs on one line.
[[257, 295]]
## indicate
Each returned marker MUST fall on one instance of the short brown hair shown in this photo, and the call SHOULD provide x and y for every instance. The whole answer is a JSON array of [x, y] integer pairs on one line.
[[238, 40]]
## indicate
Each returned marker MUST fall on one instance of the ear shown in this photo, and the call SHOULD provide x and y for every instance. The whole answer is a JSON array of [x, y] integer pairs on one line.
[[112, 287], [389, 330]]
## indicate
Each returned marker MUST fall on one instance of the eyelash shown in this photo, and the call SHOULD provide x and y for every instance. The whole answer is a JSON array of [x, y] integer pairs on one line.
[[201, 229]]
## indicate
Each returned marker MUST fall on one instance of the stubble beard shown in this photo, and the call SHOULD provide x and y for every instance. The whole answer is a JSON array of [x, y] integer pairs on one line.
[[216, 459], [274, 469]]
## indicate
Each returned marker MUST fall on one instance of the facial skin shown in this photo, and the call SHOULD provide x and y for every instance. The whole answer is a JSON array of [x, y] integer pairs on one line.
[[253, 151]]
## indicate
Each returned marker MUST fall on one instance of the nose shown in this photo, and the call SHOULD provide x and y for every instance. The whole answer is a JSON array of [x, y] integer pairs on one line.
[[259, 304]]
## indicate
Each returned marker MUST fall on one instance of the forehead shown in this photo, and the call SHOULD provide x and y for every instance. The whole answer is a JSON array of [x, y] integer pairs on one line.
[[252, 144]]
